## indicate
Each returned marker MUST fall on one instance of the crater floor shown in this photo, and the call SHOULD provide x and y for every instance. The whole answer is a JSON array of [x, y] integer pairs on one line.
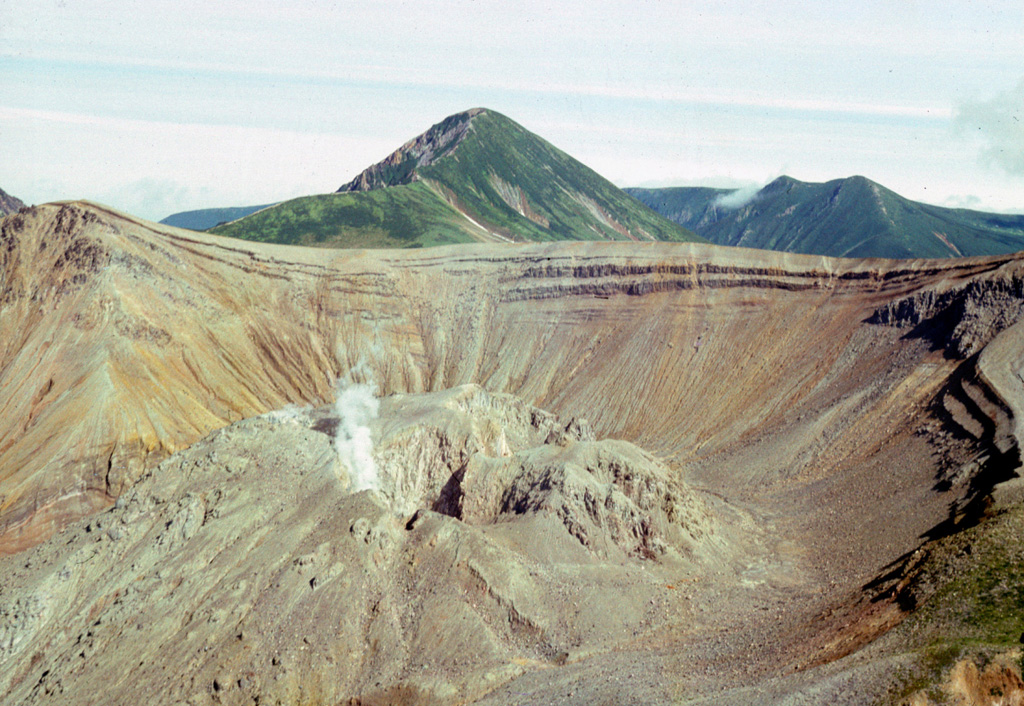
[[603, 473]]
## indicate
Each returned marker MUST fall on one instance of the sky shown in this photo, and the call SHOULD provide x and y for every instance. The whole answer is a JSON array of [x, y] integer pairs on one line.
[[156, 107]]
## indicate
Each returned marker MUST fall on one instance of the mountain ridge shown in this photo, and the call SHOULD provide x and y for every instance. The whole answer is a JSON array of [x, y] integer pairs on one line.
[[400, 166], [206, 218], [476, 176], [849, 217]]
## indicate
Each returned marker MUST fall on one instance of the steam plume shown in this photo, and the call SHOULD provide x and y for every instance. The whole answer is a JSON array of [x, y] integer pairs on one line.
[[356, 407], [739, 198]]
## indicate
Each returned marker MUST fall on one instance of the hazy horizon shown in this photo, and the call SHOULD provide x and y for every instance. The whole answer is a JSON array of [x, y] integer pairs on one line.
[[183, 106]]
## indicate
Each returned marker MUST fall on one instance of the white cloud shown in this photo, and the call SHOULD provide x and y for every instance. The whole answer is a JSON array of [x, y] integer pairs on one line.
[[149, 197], [999, 124], [738, 198], [231, 103], [962, 201], [153, 168]]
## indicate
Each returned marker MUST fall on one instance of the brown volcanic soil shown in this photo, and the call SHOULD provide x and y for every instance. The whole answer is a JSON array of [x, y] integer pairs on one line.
[[817, 421]]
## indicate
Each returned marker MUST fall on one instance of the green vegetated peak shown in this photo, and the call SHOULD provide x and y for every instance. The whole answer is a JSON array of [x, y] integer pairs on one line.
[[474, 176], [850, 217]]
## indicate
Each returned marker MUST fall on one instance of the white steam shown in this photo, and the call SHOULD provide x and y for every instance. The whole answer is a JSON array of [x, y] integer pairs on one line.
[[739, 198], [357, 406]]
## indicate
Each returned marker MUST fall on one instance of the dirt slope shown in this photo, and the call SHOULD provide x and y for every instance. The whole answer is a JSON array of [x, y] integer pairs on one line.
[[828, 415]]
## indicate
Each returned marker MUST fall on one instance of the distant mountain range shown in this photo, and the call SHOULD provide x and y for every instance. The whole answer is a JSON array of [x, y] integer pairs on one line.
[[853, 217], [475, 176], [207, 218], [479, 176], [9, 204]]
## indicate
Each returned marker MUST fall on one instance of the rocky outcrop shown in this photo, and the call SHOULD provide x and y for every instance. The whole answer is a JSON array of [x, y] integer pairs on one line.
[[400, 166], [963, 317], [485, 458], [219, 569], [9, 204], [609, 495]]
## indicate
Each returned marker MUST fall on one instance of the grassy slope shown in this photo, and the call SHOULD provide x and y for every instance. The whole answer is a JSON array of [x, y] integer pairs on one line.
[[419, 213], [413, 215], [549, 179], [977, 607], [206, 218], [978, 233], [847, 217], [689, 206]]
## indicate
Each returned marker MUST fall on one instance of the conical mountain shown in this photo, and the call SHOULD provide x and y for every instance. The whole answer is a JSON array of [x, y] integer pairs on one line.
[[475, 176], [852, 217]]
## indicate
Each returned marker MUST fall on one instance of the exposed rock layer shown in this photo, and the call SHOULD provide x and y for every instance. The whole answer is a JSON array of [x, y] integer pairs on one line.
[[815, 417], [400, 166]]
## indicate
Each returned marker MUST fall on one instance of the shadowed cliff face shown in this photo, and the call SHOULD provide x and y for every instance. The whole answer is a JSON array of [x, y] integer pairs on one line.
[[9, 204], [821, 408]]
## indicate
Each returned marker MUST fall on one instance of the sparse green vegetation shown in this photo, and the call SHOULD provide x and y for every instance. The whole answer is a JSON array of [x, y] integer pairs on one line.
[[977, 608], [982, 603]]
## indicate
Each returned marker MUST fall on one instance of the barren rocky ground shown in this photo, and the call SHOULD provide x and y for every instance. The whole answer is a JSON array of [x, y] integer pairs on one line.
[[602, 473]]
